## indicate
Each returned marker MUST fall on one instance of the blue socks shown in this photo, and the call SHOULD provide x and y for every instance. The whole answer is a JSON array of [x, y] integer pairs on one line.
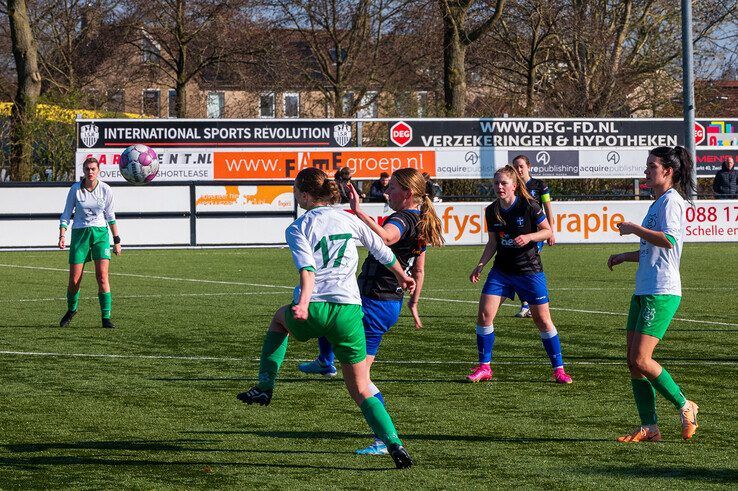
[[326, 351], [552, 345], [485, 343]]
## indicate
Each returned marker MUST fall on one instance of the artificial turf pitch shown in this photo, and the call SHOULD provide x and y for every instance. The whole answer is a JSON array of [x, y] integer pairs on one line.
[[151, 404]]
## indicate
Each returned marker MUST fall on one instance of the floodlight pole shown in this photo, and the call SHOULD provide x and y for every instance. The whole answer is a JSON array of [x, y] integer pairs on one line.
[[688, 89]]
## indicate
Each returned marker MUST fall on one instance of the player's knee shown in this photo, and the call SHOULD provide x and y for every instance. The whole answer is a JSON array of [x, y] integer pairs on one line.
[[485, 318], [102, 281], [640, 363]]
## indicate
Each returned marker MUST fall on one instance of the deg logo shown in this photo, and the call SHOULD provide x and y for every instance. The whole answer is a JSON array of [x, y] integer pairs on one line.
[[401, 134], [699, 133]]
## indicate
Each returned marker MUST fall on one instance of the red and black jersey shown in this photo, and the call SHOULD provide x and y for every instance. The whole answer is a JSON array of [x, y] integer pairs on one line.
[[375, 280], [521, 218]]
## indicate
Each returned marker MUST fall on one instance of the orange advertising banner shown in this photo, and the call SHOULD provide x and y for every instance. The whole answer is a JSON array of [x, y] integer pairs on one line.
[[364, 164]]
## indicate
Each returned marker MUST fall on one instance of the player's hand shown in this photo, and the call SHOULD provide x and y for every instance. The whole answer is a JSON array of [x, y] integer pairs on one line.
[[413, 306], [116, 249], [61, 242], [300, 312], [627, 228], [521, 240], [476, 273], [614, 260], [407, 283], [354, 198], [551, 240]]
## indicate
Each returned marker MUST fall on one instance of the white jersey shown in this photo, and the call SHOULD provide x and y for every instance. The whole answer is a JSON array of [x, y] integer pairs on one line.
[[658, 267], [323, 239], [91, 208]]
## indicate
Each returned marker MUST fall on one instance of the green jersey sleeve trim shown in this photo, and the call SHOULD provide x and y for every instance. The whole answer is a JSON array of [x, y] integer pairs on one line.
[[308, 268], [63, 225], [111, 222], [391, 263], [545, 198], [671, 239]]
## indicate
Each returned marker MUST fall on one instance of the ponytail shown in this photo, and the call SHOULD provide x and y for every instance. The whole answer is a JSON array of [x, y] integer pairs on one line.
[[330, 191], [315, 182], [429, 226]]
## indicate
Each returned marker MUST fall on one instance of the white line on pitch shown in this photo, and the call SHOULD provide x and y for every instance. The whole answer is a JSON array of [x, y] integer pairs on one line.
[[575, 289], [153, 277], [195, 280], [583, 311], [294, 360], [154, 295]]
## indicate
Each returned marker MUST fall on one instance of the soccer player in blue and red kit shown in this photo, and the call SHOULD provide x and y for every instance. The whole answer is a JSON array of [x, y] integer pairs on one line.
[[408, 231], [515, 224], [539, 191]]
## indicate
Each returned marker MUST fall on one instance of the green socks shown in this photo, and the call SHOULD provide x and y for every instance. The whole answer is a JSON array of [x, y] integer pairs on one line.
[[106, 303], [272, 356], [72, 301], [669, 389], [645, 399], [379, 421]]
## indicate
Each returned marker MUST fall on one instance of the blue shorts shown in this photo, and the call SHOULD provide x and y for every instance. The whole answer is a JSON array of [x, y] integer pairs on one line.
[[540, 246], [379, 316], [530, 288]]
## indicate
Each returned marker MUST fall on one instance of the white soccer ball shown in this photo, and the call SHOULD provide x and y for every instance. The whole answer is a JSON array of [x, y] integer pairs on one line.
[[139, 164]]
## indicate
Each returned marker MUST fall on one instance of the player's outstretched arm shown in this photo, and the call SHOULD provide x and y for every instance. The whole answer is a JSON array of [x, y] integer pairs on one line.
[[654, 237], [624, 257], [389, 233]]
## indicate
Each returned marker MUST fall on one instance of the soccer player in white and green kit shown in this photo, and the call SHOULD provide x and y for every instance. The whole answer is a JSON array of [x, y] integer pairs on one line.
[[91, 201], [658, 290], [327, 301]]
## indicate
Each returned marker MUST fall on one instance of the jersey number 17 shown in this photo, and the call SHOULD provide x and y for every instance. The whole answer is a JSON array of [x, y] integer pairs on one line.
[[326, 253]]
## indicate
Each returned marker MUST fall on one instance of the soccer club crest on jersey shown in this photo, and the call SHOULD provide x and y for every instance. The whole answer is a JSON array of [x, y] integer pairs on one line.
[[533, 193], [89, 134], [648, 313], [520, 221], [342, 134]]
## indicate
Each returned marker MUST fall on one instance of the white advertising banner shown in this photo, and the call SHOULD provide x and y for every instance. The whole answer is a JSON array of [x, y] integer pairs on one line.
[[585, 222], [482, 162], [179, 164]]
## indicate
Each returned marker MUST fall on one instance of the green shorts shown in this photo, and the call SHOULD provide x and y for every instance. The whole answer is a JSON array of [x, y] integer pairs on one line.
[[340, 323], [89, 243], [652, 314]]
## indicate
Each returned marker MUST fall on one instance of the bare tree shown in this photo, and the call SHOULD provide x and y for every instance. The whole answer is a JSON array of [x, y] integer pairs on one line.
[[179, 39], [610, 49], [74, 39], [457, 37], [25, 54], [350, 48], [525, 53]]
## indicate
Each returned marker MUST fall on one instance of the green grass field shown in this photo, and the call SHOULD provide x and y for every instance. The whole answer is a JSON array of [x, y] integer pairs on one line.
[[152, 403]]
